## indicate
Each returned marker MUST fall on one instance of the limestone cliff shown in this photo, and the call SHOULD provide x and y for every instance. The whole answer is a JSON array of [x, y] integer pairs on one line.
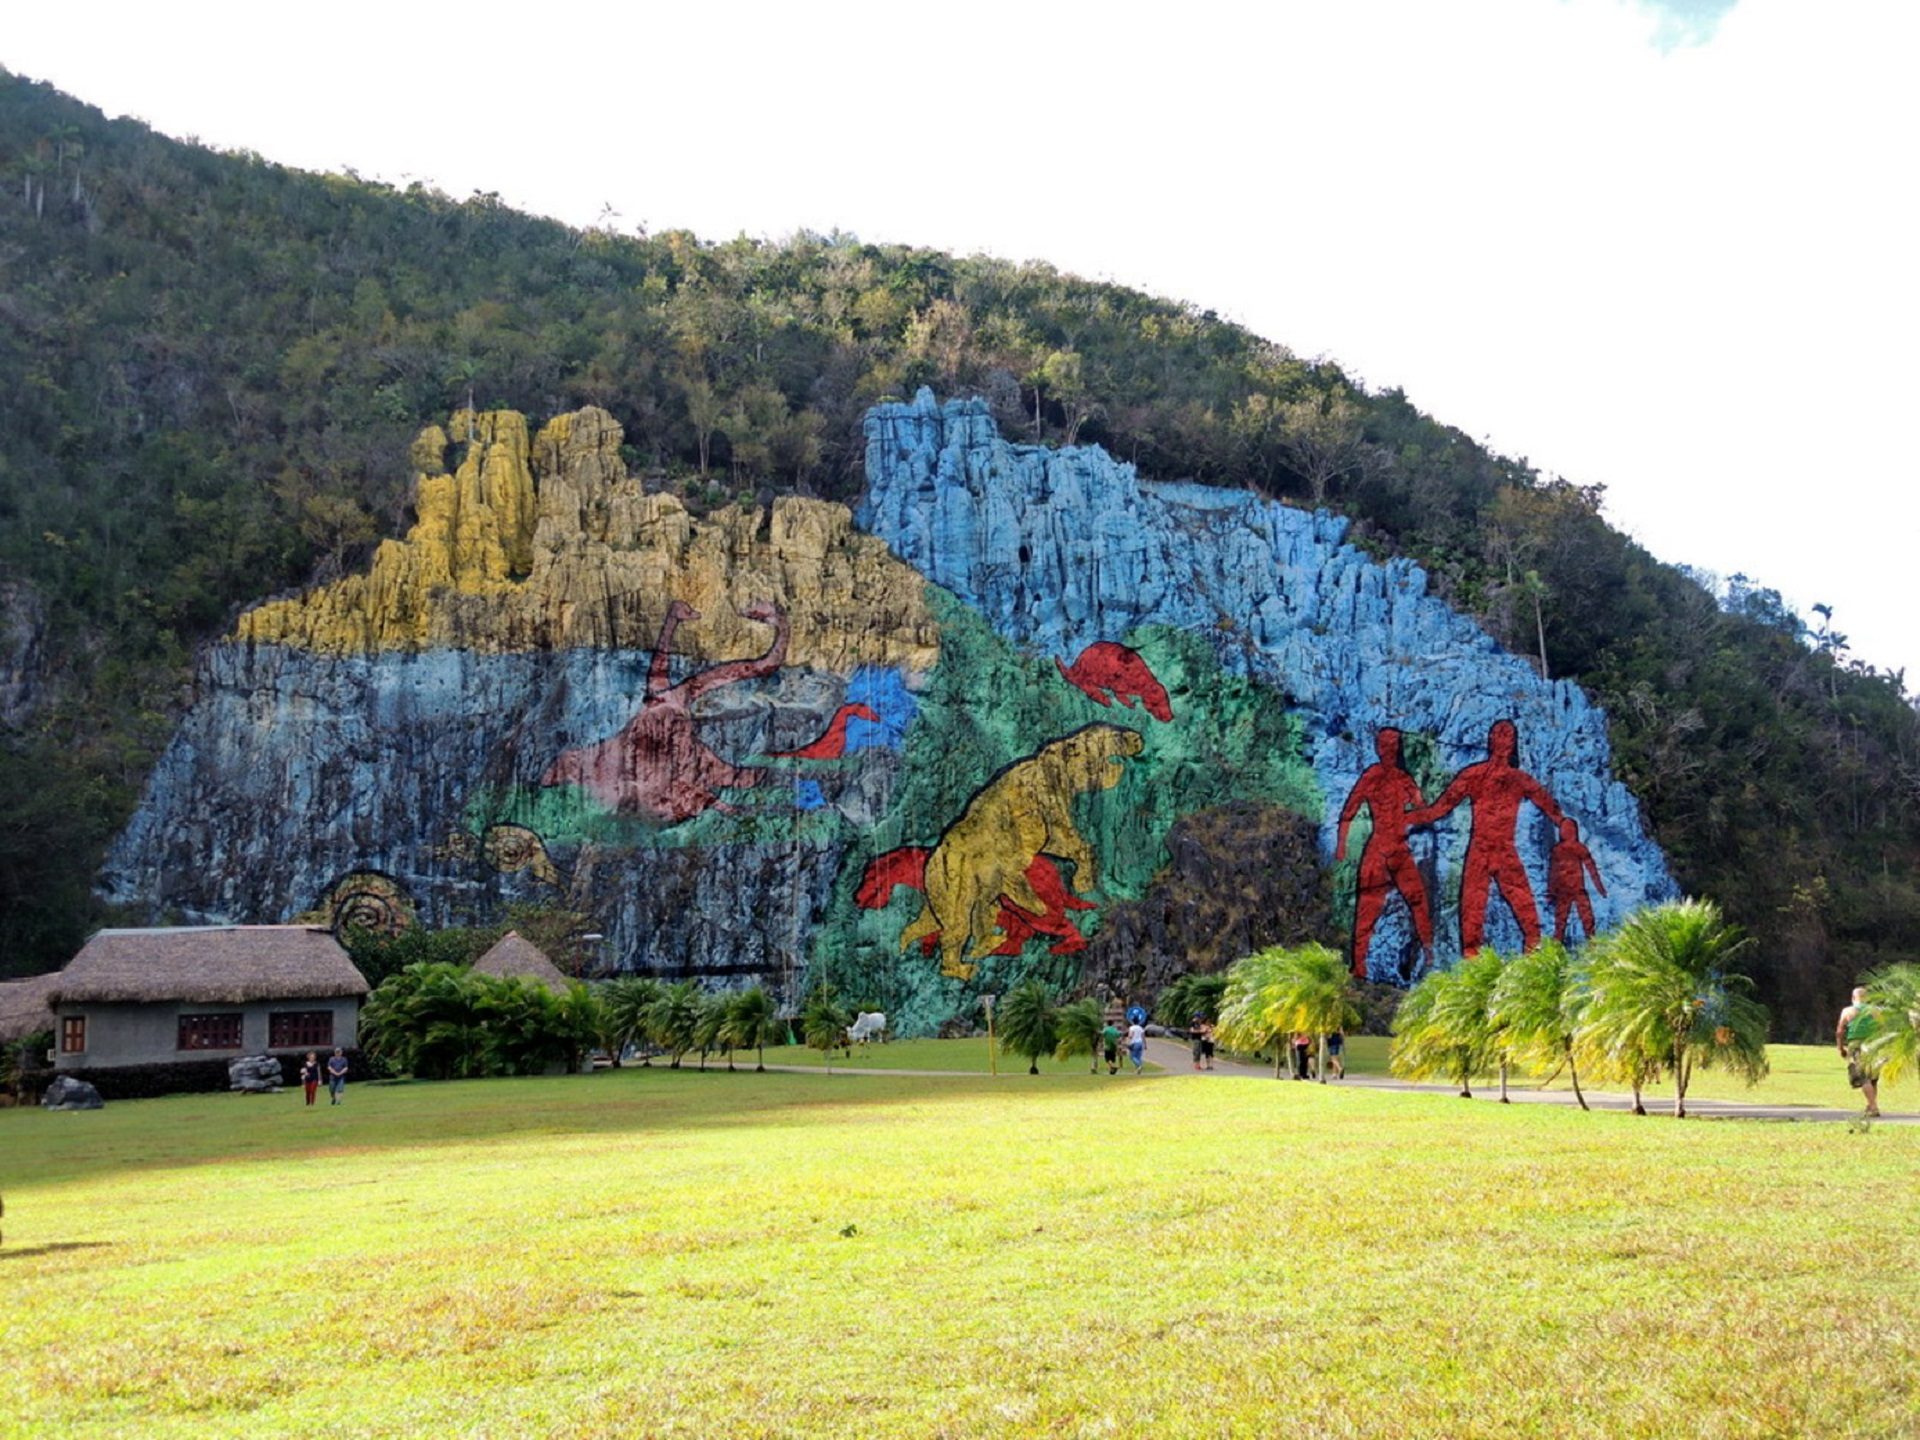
[[551, 545]]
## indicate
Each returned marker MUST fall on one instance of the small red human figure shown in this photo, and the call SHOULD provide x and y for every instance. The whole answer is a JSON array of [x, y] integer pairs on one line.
[[657, 765], [1106, 672], [1496, 787], [1386, 860], [1567, 885], [832, 744]]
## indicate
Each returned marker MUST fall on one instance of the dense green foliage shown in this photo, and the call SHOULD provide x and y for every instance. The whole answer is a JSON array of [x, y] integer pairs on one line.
[[440, 1021], [213, 366]]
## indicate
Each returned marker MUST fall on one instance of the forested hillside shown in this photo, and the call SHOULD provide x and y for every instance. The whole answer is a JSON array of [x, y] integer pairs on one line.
[[212, 367]]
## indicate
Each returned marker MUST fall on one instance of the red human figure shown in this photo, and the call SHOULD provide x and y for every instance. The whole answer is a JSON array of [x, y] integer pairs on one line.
[[657, 765], [1496, 787], [1567, 885], [1386, 861]]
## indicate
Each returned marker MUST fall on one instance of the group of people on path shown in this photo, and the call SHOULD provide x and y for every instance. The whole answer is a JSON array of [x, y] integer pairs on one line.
[[1136, 1042], [334, 1072]]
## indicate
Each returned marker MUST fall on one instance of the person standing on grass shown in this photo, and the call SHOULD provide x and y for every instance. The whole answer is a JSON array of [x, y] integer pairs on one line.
[[1110, 1047], [310, 1075], [1302, 1054], [1137, 1045], [1336, 1057], [337, 1075], [1857, 1026]]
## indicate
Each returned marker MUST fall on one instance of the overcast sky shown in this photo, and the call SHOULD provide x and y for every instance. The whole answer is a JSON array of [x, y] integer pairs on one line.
[[1665, 247]]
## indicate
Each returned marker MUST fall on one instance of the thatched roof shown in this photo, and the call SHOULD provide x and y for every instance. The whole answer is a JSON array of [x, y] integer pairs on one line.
[[24, 1009], [209, 964], [515, 957]]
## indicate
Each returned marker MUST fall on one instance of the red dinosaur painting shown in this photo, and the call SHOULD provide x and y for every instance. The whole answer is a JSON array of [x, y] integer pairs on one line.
[[1106, 672], [832, 745], [657, 765], [908, 866]]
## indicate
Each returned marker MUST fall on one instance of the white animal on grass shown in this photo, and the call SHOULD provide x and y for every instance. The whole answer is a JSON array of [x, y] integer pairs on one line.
[[868, 1025]]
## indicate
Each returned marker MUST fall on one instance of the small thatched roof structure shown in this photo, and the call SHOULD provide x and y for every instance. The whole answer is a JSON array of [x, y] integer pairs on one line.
[[208, 964], [515, 957], [24, 1009]]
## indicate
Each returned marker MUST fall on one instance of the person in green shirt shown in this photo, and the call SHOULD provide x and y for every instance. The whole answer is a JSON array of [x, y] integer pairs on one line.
[[1110, 1047], [1857, 1026]]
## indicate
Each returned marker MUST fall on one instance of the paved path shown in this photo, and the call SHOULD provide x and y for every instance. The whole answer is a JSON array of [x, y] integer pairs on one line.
[[1178, 1060]]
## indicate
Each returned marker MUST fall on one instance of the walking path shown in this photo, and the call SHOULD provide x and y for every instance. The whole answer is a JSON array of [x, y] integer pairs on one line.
[[1178, 1060]]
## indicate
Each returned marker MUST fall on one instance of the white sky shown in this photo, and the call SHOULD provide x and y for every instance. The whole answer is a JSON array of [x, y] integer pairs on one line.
[[1633, 246]]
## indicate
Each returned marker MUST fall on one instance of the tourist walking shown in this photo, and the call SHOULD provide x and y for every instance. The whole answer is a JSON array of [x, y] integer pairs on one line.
[[337, 1075], [1197, 1038], [310, 1075], [1110, 1047], [1302, 1054], [1206, 1045], [1336, 1055], [1137, 1046], [1857, 1026]]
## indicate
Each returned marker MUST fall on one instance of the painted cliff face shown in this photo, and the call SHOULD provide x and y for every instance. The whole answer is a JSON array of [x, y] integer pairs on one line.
[[919, 756]]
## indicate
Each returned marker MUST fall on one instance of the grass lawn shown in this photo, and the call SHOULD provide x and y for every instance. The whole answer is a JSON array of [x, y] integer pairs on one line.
[[967, 1055], [652, 1253]]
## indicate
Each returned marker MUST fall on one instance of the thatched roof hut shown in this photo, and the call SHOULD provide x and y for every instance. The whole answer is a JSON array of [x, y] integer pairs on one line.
[[208, 964], [24, 1007], [515, 957]]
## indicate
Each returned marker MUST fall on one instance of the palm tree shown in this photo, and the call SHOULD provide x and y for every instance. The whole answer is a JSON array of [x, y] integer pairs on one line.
[[672, 1017], [1189, 996], [1536, 1003], [1443, 1029], [1664, 995], [1029, 1023], [1317, 984], [823, 1023], [1278, 992], [710, 1027], [1253, 1008], [627, 1001], [753, 1022], [1080, 1025], [1893, 996]]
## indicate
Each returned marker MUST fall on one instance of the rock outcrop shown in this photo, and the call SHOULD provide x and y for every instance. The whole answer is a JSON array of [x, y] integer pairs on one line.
[[254, 1075], [66, 1093], [549, 544]]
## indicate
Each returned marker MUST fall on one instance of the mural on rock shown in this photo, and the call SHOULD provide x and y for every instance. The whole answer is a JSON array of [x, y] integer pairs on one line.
[[1351, 646], [1026, 714]]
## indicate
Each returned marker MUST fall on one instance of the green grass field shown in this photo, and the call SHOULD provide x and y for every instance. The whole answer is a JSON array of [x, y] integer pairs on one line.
[[652, 1253]]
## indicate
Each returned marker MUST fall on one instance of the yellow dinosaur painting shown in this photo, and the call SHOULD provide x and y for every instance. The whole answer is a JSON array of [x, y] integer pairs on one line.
[[1023, 812]]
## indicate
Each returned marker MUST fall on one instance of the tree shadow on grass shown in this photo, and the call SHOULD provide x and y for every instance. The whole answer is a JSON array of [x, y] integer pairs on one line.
[[186, 1131], [27, 1251]]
